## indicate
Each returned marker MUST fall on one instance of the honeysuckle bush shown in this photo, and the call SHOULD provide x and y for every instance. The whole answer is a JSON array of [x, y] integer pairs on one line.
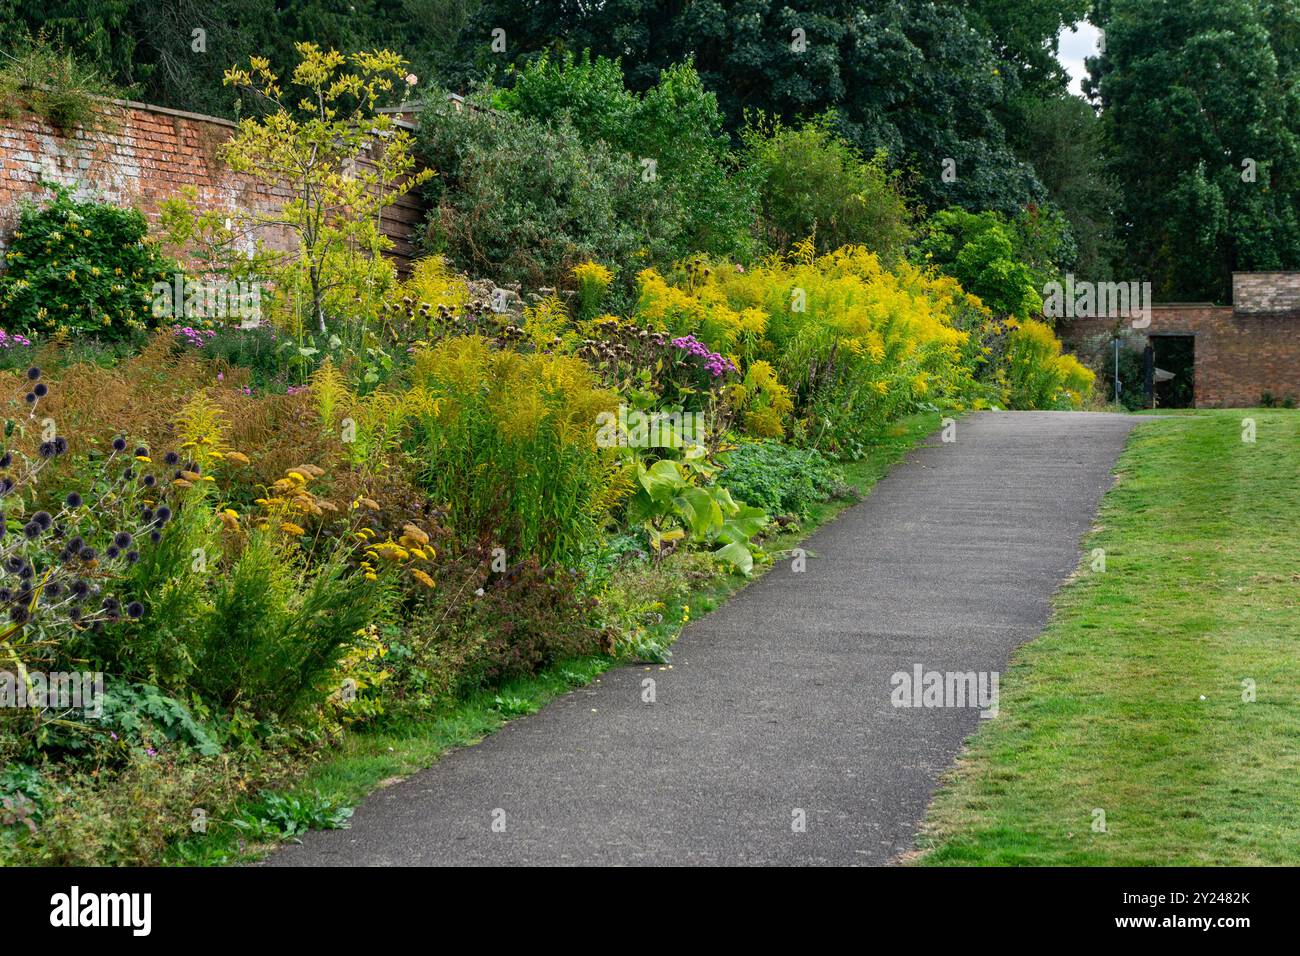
[[80, 266]]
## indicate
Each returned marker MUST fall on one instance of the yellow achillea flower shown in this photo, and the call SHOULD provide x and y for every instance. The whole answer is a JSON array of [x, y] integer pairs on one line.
[[290, 528], [423, 578]]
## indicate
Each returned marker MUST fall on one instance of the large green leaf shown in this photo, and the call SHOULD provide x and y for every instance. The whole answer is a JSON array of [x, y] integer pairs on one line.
[[743, 525], [699, 512], [737, 555]]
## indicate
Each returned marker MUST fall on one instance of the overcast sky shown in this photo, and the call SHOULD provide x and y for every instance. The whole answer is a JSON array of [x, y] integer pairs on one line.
[[1075, 44]]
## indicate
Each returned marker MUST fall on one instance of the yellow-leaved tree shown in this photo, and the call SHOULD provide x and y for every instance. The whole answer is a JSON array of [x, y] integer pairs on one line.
[[338, 161]]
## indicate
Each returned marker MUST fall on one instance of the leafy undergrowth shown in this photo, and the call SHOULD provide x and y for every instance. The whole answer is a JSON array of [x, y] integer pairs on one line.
[[319, 795], [1154, 722]]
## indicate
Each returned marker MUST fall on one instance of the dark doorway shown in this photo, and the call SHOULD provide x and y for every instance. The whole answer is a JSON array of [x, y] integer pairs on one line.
[[1172, 371]]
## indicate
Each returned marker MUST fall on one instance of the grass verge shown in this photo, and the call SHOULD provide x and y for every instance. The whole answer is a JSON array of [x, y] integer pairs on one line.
[[1154, 722], [368, 758]]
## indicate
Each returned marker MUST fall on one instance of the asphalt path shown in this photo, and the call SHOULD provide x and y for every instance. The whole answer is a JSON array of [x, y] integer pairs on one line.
[[776, 737]]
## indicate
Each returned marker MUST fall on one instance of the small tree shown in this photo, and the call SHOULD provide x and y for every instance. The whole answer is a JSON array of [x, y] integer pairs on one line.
[[339, 160]]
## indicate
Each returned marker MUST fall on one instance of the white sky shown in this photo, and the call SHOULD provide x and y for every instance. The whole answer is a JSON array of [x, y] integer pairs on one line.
[[1076, 43]]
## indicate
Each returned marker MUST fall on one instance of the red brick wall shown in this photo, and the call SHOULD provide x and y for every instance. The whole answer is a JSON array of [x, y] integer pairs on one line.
[[1270, 292], [1239, 356], [147, 155]]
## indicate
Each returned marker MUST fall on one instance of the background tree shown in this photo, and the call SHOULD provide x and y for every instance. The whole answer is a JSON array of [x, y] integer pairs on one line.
[[913, 77], [1201, 106], [673, 131]]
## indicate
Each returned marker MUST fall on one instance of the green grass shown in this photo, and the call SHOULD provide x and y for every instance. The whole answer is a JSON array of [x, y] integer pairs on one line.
[[368, 758], [1131, 702]]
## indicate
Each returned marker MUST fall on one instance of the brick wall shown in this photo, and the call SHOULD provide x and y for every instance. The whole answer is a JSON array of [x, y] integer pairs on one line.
[[148, 154], [1265, 292], [1239, 355]]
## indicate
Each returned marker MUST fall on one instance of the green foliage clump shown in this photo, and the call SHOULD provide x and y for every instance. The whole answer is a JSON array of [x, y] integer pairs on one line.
[[780, 478], [273, 629], [675, 125], [813, 182], [517, 199], [83, 266], [1005, 262], [44, 78]]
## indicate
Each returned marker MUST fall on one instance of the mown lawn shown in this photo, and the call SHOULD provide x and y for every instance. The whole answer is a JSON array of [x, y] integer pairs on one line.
[[1133, 701]]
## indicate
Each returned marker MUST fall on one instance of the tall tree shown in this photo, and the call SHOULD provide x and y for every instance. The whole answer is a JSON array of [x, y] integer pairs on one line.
[[1201, 106], [911, 76]]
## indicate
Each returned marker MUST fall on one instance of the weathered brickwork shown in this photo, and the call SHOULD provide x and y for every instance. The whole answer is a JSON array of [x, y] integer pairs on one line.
[[1265, 292], [1240, 355], [146, 155]]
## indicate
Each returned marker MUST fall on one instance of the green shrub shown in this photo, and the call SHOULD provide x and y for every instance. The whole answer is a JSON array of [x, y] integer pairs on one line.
[[82, 266], [1006, 262], [275, 628], [813, 182], [675, 124], [781, 479], [519, 199]]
